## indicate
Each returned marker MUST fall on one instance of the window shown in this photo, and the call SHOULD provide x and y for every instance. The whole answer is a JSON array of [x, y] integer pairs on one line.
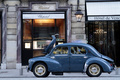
[[61, 50], [78, 50]]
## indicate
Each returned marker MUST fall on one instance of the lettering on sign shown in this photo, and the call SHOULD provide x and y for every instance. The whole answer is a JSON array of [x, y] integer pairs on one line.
[[43, 16], [104, 18], [45, 7]]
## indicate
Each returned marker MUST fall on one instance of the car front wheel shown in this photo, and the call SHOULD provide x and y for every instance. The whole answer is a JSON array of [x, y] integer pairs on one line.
[[94, 70], [40, 70]]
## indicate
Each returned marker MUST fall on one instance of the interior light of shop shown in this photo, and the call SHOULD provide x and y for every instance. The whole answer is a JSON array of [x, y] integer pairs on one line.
[[60, 42], [27, 45], [78, 14], [100, 31], [44, 21]]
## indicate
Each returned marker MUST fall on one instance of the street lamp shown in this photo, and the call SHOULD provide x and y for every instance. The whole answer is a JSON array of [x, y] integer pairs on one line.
[[78, 14]]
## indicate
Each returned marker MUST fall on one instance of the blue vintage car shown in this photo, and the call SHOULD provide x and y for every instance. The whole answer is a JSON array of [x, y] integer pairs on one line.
[[70, 57]]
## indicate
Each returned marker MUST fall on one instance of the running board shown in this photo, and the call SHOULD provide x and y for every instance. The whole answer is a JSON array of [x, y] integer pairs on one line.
[[57, 73]]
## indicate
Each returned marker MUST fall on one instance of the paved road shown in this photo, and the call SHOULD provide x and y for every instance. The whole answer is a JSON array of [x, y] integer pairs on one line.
[[65, 78], [15, 75]]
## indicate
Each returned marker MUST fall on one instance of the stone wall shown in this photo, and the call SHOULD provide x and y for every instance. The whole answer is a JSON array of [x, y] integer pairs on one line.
[[78, 28], [11, 33]]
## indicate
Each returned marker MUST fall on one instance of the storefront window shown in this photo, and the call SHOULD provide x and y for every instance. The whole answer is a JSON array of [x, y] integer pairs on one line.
[[27, 34], [44, 28], [104, 36], [42, 31], [37, 31], [61, 29]]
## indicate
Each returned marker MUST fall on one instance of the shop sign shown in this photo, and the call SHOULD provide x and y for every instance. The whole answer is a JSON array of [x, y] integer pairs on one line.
[[43, 7], [43, 16], [95, 18]]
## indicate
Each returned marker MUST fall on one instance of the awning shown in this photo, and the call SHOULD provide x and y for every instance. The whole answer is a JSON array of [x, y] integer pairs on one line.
[[103, 10]]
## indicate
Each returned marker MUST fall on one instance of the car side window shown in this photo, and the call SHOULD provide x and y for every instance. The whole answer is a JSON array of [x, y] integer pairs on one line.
[[78, 50], [61, 50]]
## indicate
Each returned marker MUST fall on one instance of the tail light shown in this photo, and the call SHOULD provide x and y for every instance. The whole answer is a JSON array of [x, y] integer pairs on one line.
[[111, 64]]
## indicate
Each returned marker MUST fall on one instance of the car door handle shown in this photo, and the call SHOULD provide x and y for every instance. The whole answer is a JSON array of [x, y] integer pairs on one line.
[[53, 57]]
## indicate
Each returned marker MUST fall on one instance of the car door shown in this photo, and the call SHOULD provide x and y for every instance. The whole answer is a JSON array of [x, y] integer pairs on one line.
[[61, 54], [78, 56]]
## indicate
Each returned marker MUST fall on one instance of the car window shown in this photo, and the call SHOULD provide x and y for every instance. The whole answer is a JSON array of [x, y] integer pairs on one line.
[[78, 50], [61, 50]]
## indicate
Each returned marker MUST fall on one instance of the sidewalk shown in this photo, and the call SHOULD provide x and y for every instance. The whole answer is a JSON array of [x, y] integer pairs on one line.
[[15, 73]]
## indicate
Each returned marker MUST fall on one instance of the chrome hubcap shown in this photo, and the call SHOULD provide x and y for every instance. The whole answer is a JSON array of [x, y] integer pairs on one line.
[[40, 70], [94, 69]]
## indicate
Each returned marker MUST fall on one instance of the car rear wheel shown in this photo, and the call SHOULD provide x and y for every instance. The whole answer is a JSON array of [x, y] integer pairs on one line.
[[40, 70], [94, 70]]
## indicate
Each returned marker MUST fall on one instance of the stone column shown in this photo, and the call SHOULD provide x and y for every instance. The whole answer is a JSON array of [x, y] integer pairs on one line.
[[78, 28], [3, 8], [11, 49]]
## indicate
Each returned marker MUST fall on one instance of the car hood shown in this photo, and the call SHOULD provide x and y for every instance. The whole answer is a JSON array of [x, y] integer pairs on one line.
[[107, 58], [50, 46], [37, 59]]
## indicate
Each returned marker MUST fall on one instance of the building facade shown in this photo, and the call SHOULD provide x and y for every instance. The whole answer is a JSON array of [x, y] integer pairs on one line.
[[102, 26], [26, 26]]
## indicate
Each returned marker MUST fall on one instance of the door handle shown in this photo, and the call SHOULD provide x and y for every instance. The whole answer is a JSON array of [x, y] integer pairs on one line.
[[53, 57]]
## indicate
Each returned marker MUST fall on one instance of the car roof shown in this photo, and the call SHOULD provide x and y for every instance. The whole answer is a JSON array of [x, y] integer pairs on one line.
[[74, 44]]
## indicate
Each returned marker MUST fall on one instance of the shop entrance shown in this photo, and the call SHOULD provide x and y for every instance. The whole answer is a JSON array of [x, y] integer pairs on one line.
[[37, 33], [105, 37]]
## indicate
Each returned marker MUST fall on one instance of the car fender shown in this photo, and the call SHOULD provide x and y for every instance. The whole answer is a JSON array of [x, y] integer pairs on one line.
[[103, 63], [53, 65]]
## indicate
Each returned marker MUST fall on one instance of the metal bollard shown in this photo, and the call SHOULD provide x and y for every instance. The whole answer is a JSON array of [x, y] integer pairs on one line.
[[21, 71], [116, 71]]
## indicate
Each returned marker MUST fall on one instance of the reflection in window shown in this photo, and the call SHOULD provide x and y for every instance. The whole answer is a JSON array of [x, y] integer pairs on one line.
[[27, 34], [61, 50], [41, 44], [27, 26], [78, 50], [44, 28], [38, 32], [60, 23]]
